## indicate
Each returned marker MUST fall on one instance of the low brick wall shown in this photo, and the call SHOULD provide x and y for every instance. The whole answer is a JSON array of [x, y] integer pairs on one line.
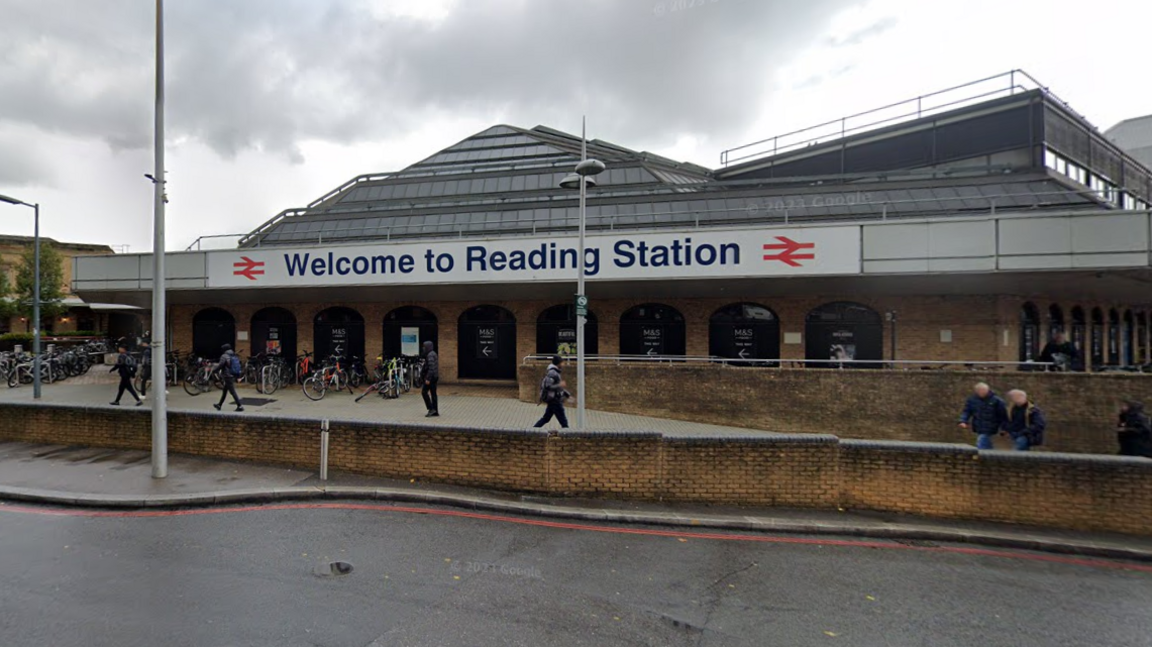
[[921, 406], [1093, 493]]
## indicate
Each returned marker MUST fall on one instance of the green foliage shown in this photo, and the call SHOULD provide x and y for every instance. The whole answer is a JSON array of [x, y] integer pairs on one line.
[[81, 333], [18, 337], [7, 307], [51, 282]]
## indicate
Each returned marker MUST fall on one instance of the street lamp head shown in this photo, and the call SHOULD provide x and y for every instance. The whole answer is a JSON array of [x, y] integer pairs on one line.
[[573, 182], [590, 167], [4, 198]]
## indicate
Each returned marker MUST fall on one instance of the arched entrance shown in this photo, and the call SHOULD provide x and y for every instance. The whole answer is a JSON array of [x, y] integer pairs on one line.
[[1097, 337], [1127, 341], [274, 330], [744, 331], [1029, 333], [1113, 338], [1142, 356], [211, 329], [406, 329], [1055, 320], [1079, 335], [487, 344], [556, 332], [652, 329], [338, 331], [844, 331]]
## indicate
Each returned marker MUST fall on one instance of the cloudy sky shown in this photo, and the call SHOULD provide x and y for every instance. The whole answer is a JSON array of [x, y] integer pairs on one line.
[[272, 103]]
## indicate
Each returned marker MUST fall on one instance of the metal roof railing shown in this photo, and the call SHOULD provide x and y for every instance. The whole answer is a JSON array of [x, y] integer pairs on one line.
[[967, 94]]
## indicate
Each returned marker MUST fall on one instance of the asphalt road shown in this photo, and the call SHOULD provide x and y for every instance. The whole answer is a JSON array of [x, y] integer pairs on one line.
[[428, 576]]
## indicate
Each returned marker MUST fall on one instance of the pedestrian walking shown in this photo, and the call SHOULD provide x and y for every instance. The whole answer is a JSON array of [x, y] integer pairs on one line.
[[985, 414], [431, 378], [1025, 422], [553, 393], [1134, 430], [126, 366], [145, 367], [229, 369]]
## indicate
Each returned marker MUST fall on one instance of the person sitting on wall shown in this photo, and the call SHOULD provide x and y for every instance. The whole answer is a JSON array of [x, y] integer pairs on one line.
[[1134, 430], [1061, 352], [985, 414], [1025, 422]]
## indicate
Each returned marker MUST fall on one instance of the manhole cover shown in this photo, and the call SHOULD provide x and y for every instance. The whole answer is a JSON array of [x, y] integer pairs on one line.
[[333, 569]]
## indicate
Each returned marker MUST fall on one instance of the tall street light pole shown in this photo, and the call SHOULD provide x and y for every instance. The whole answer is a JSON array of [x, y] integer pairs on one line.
[[159, 327], [35, 293], [582, 179]]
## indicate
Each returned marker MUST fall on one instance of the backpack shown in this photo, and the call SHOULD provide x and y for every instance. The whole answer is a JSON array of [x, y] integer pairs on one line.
[[130, 365], [234, 365], [546, 388]]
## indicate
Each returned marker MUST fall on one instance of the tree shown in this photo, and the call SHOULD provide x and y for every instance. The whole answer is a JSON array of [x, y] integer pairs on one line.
[[51, 282], [7, 306]]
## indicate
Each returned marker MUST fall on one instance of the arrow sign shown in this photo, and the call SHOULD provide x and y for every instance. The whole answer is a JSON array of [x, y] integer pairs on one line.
[[787, 249], [248, 268], [339, 350], [743, 354], [651, 352], [487, 350]]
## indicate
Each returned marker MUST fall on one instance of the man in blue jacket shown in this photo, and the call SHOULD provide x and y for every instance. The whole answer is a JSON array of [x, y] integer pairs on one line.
[[1025, 422], [985, 413]]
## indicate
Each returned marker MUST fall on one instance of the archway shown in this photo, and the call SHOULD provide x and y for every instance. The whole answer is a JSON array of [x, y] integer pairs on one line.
[[487, 343], [1127, 339], [274, 330], [406, 329], [1113, 337], [744, 331], [338, 331], [211, 329], [1055, 320], [652, 329], [556, 332], [1097, 337], [1142, 356], [1079, 335], [843, 331], [1029, 333]]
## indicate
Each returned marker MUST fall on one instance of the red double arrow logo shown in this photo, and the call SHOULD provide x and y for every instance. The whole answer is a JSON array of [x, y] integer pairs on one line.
[[788, 249], [248, 267]]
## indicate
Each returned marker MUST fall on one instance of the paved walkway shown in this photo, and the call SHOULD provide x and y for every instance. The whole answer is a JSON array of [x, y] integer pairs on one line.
[[107, 478], [490, 406]]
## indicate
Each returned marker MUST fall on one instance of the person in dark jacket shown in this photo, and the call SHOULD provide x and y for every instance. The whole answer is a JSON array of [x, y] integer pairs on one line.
[[1134, 430], [1025, 422], [227, 378], [553, 393], [431, 378], [145, 367], [1061, 352], [985, 414], [125, 366]]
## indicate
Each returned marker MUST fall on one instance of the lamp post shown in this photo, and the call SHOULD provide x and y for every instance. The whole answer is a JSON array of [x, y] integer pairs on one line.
[[159, 324], [35, 294], [582, 179]]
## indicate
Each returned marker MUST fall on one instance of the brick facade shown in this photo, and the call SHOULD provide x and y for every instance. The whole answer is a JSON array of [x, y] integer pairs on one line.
[[1104, 494], [915, 405], [981, 328]]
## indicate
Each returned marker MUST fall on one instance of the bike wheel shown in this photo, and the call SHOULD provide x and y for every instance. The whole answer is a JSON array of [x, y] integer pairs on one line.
[[190, 385], [13, 380], [271, 381], [315, 388]]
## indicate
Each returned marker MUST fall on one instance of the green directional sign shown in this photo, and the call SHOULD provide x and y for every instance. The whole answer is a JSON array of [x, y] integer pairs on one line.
[[581, 305]]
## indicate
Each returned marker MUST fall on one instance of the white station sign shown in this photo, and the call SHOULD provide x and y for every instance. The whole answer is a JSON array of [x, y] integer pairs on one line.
[[744, 253]]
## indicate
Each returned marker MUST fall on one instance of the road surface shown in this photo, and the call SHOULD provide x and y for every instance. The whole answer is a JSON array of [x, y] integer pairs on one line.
[[437, 576]]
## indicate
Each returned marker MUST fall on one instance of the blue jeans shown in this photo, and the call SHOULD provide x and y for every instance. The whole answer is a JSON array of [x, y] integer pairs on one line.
[[1021, 444]]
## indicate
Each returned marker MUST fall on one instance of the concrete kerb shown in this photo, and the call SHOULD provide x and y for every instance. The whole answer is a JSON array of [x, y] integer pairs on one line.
[[698, 523]]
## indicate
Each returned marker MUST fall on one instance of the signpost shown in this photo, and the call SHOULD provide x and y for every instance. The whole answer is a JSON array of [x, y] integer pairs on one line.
[[409, 341], [581, 305]]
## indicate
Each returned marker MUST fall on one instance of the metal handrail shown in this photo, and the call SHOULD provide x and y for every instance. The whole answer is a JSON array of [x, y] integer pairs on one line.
[[761, 362], [1010, 89]]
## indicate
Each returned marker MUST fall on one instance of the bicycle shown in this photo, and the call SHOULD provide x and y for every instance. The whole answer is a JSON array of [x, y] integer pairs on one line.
[[332, 375], [203, 378]]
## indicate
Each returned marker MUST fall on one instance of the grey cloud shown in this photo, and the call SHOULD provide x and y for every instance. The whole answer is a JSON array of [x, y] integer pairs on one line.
[[268, 74], [865, 33]]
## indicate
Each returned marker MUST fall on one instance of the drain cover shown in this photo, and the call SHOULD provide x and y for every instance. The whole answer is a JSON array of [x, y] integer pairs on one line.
[[333, 569]]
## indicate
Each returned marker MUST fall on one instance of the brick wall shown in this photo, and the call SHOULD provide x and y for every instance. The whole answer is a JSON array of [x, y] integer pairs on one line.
[[919, 406], [1056, 490]]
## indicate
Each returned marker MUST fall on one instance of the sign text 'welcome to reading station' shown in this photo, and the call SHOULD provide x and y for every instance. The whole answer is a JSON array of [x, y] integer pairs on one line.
[[624, 257]]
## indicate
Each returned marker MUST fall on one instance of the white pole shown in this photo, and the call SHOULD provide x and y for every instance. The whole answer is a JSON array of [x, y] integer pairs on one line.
[[36, 365], [159, 366], [581, 394]]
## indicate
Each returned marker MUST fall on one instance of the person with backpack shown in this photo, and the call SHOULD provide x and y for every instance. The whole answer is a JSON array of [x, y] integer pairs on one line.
[[431, 378], [1134, 430], [126, 366], [229, 369], [984, 413], [1025, 423], [553, 393]]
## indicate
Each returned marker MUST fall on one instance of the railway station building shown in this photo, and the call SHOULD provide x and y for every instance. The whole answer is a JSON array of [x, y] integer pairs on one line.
[[959, 231]]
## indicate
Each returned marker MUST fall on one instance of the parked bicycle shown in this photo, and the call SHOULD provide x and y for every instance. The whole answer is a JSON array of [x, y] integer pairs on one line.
[[203, 378], [332, 376]]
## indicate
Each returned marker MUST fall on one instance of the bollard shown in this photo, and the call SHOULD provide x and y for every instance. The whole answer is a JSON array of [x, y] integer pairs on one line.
[[324, 450]]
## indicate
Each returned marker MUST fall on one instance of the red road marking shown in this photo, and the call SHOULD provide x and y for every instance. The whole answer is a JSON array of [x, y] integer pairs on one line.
[[847, 543]]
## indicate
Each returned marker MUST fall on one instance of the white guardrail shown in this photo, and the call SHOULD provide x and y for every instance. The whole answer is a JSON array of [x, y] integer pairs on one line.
[[791, 363]]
